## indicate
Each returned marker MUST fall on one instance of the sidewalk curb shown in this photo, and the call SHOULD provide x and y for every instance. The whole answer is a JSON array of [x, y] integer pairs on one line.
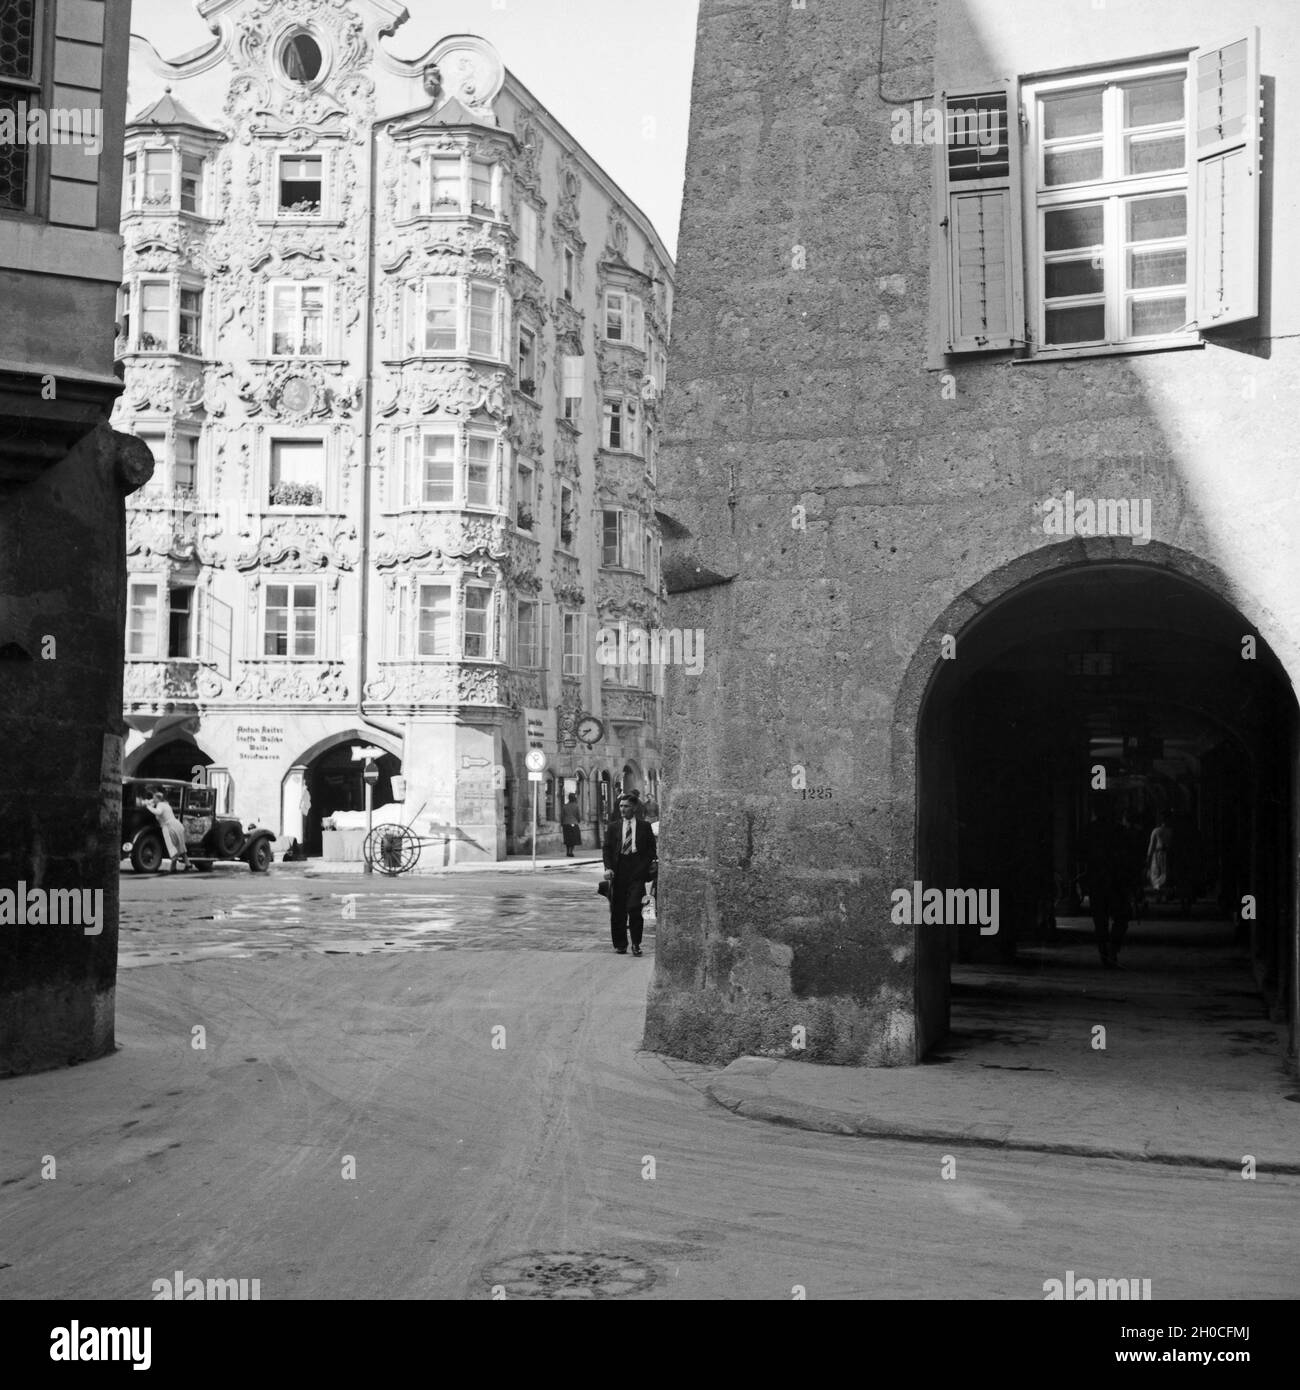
[[859, 1124]]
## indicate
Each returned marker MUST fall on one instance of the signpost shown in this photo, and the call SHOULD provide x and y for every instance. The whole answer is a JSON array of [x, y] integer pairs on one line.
[[535, 762], [371, 773]]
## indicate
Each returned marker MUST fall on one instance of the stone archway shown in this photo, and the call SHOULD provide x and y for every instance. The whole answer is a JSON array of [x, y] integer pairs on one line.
[[332, 782], [1051, 661]]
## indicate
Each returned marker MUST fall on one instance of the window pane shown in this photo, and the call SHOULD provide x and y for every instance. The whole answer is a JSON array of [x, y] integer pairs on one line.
[[1065, 278], [1153, 156], [439, 468], [1152, 269], [440, 316], [435, 620], [277, 620], [1065, 229], [446, 182], [1072, 115], [142, 628], [480, 182], [313, 319], [1156, 219], [1071, 166], [482, 320], [17, 38], [1148, 317], [1158, 101], [476, 621], [1081, 325]]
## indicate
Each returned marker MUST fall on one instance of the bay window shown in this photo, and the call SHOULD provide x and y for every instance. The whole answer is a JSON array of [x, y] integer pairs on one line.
[[476, 639], [441, 468]]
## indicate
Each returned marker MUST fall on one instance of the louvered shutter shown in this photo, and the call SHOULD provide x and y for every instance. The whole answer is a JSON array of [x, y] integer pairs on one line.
[[981, 183], [1226, 184]]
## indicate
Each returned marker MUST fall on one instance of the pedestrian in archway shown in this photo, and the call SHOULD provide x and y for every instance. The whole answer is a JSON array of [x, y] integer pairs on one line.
[[1158, 850], [1112, 874], [629, 851], [571, 824]]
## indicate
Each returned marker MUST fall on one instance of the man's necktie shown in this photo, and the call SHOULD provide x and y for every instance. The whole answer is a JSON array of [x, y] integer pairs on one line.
[[627, 838]]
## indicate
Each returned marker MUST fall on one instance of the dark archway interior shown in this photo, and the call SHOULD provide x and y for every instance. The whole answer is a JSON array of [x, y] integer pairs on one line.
[[176, 759], [336, 782], [1131, 679]]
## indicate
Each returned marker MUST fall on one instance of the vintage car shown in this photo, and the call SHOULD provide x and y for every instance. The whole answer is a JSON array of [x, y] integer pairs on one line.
[[208, 836]]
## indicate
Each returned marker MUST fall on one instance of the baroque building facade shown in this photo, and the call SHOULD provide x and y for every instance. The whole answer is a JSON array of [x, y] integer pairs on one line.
[[398, 345], [980, 479]]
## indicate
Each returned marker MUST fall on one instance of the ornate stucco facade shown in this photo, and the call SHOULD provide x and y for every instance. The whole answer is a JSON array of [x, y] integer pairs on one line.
[[397, 344]]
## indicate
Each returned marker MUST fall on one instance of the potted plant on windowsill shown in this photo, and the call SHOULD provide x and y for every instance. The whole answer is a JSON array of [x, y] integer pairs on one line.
[[523, 518], [528, 385], [289, 494]]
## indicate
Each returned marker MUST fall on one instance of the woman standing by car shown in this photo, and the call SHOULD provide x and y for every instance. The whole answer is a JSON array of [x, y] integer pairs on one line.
[[171, 828]]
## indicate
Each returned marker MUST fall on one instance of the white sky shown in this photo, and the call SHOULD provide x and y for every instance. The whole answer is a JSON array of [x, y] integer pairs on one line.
[[616, 73]]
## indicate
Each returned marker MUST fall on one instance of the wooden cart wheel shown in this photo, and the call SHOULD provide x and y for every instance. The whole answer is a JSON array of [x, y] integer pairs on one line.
[[392, 849]]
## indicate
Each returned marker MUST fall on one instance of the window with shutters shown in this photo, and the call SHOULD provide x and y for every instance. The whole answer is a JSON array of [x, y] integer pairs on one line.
[[1140, 198]]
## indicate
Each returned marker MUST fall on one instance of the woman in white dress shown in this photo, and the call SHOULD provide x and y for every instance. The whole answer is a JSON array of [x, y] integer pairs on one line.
[[173, 833]]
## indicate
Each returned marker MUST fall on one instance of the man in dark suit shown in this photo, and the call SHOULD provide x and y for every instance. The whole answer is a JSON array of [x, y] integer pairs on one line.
[[629, 850]]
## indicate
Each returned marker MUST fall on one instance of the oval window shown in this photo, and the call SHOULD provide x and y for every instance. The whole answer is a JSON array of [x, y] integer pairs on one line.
[[302, 58]]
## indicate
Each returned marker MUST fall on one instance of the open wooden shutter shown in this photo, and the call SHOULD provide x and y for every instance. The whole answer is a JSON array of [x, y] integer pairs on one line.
[[215, 623], [980, 163], [1226, 186]]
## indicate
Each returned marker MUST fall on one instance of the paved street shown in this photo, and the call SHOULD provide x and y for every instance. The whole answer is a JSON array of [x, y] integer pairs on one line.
[[474, 1163]]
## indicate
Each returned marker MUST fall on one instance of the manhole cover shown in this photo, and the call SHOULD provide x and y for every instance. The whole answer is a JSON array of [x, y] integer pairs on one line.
[[570, 1274]]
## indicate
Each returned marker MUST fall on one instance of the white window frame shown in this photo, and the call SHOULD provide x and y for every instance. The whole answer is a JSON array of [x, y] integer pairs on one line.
[[415, 335], [527, 657], [628, 544], [292, 582], [526, 351], [185, 439], [489, 627], [317, 441], [530, 225], [301, 287], [494, 352], [1112, 191], [629, 417], [572, 372], [147, 651], [571, 512], [283, 214], [408, 636], [409, 480], [573, 645], [525, 494]]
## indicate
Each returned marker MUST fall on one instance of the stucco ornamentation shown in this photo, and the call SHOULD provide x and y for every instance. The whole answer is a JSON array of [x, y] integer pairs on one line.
[[294, 682]]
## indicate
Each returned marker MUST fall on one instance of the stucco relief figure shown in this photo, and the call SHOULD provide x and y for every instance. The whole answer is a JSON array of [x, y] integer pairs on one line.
[[431, 80]]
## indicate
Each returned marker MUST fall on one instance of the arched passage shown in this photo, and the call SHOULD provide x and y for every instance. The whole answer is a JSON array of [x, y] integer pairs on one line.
[[327, 778], [1091, 669], [174, 758]]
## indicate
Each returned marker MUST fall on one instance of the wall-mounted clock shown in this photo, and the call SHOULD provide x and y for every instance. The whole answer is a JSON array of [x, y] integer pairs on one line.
[[590, 729]]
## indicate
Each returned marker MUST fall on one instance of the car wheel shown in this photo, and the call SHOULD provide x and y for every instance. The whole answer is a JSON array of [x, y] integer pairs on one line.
[[259, 860], [147, 855], [227, 839]]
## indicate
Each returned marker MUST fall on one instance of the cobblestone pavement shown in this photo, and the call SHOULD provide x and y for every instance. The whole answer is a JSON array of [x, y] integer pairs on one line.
[[234, 914]]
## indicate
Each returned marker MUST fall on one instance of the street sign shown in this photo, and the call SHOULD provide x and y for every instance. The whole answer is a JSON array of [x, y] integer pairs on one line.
[[534, 776], [371, 773], [535, 760]]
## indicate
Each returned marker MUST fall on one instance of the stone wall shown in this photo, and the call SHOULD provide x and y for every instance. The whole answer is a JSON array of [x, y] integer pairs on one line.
[[849, 491], [62, 617]]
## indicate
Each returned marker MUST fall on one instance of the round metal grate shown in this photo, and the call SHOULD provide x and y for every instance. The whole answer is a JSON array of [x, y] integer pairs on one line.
[[569, 1274]]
